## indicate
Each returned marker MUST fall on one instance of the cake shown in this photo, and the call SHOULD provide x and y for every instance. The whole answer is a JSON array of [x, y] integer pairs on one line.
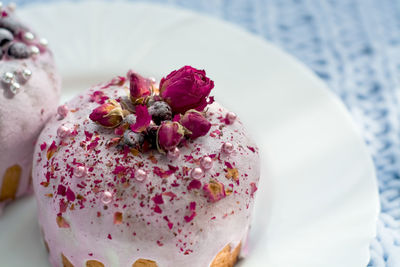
[[29, 92], [145, 175]]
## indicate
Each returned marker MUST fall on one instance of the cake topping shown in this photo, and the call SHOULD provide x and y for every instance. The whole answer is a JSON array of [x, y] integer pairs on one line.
[[14, 79], [18, 51], [80, 171], [16, 43], [206, 163], [149, 165], [230, 118], [51, 150], [106, 197], [155, 116], [227, 148], [5, 36], [8, 77], [44, 42], [26, 74], [196, 123], [132, 139], [14, 87], [63, 131], [143, 119], [214, 190], [140, 175], [140, 87], [186, 88], [196, 173], [160, 111], [34, 50], [28, 36], [62, 111], [174, 154], [169, 135], [109, 114]]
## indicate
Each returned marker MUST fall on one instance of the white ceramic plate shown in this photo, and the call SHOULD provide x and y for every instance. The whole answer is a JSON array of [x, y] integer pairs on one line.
[[317, 204]]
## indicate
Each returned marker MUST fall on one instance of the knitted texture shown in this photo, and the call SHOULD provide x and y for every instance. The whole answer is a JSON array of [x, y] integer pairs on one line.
[[354, 46]]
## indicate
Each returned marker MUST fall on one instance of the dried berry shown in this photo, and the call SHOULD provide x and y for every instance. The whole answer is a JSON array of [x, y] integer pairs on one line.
[[5, 36], [18, 51], [10, 24], [133, 139], [160, 111], [130, 119], [151, 135]]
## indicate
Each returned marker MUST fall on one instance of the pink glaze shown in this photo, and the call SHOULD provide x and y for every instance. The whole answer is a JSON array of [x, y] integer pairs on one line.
[[168, 217], [22, 116]]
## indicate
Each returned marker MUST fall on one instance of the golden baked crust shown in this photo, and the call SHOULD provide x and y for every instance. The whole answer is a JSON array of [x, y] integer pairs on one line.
[[144, 263], [65, 261], [94, 263], [10, 182], [225, 258]]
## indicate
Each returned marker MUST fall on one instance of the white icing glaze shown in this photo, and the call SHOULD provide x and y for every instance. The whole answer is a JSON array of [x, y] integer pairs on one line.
[[22, 116], [143, 233]]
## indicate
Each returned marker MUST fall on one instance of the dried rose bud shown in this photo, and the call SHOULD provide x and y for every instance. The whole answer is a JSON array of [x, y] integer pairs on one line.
[[140, 87], [214, 191], [186, 88], [196, 123], [109, 114], [169, 135]]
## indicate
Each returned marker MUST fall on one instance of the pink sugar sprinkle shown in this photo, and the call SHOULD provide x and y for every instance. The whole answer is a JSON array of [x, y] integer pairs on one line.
[[164, 173], [157, 209], [229, 165], [253, 188], [188, 158], [93, 144], [63, 206], [119, 169], [61, 190], [98, 97], [88, 135], [70, 195], [158, 199], [194, 184], [43, 146], [191, 217], [251, 149], [169, 194]]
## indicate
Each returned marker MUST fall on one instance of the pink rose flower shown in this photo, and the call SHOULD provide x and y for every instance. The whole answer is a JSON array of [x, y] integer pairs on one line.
[[108, 115], [139, 87], [195, 122], [186, 88], [169, 135]]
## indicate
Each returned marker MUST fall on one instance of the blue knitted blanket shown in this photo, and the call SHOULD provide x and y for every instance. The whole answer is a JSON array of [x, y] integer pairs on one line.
[[354, 46]]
